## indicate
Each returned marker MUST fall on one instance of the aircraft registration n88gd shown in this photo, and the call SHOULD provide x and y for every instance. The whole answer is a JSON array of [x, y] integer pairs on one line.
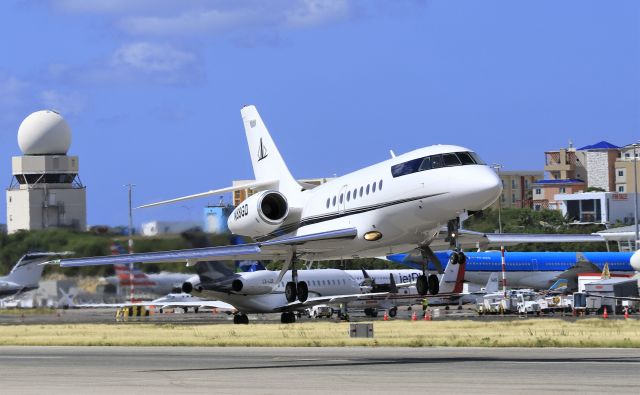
[[393, 206]]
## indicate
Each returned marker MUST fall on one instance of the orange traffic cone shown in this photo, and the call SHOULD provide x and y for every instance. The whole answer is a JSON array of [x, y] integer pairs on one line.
[[426, 316], [605, 315], [626, 313], [385, 317], [414, 317]]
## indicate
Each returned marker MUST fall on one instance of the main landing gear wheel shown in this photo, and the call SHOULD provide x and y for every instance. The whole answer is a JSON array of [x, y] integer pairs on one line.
[[302, 291], [457, 257], [241, 319], [290, 292], [434, 286], [422, 284], [288, 318], [393, 312]]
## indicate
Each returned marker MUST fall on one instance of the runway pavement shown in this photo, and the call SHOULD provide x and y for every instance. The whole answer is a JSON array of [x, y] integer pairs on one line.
[[112, 370]]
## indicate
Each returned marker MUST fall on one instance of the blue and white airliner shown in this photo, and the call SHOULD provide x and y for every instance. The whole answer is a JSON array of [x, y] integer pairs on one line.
[[537, 270]]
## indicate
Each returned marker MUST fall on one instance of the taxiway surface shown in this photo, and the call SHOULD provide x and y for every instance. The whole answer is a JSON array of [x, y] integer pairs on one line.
[[317, 370]]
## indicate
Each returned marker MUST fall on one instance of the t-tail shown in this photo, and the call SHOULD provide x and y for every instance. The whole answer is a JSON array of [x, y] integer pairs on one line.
[[492, 284], [560, 285], [28, 270], [452, 281], [265, 157]]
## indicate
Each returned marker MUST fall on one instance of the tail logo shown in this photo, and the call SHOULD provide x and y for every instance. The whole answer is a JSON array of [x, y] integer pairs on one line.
[[262, 151]]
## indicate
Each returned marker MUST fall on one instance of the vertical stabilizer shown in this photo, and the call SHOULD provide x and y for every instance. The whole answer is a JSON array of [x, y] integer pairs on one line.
[[492, 284], [452, 281], [265, 157], [27, 271]]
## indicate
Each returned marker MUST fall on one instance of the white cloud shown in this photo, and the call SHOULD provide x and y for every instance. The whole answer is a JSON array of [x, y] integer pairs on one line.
[[195, 17], [153, 58], [309, 13], [193, 22], [67, 103]]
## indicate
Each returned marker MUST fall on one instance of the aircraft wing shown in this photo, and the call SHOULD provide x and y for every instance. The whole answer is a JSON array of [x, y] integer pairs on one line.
[[336, 299], [471, 239], [213, 304], [333, 299], [277, 249]]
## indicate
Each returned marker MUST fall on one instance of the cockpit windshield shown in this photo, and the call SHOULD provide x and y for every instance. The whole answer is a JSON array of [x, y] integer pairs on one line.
[[435, 162]]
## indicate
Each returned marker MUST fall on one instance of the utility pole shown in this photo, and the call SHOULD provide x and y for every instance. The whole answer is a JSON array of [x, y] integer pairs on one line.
[[131, 267], [635, 189], [502, 260]]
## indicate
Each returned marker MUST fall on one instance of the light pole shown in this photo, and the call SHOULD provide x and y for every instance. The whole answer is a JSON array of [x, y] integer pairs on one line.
[[131, 275], [498, 167], [502, 260], [635, 190]]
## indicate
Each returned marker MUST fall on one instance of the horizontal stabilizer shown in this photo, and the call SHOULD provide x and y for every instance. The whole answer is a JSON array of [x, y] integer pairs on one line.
[[252, 185]]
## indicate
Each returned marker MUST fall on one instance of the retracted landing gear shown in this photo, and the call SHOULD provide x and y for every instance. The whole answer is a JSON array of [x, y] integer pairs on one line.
[[240, 319], [288, 317], [296, 289]]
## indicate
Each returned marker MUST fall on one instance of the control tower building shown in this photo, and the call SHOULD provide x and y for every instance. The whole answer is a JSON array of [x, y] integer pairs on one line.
[[45, 190]]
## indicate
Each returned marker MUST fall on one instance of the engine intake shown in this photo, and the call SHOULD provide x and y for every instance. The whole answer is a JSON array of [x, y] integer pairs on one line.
[[255, 283], [259, 214]]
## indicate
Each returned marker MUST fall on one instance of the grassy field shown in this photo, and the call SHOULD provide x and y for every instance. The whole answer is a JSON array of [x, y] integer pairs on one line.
[[525, 333]]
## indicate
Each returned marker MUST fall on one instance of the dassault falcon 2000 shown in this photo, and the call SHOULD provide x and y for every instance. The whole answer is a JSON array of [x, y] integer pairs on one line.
[[394, 206]]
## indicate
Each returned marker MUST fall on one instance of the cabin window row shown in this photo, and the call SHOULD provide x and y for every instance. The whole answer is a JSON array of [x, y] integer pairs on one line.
[[435, 162], [320, 283], [364, 190]]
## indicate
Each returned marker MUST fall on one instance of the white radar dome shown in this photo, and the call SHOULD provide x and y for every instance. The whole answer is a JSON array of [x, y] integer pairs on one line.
[[44, 133]]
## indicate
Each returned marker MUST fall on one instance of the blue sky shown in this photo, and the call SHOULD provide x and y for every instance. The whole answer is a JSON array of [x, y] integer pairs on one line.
[[152, 89]]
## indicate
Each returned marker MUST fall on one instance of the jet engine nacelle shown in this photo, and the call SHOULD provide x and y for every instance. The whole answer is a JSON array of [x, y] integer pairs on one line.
[[255, 283], [190, 286], [259, 214]]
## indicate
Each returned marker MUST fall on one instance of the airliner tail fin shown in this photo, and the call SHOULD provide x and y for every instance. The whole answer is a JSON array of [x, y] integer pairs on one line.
[[265, 157]]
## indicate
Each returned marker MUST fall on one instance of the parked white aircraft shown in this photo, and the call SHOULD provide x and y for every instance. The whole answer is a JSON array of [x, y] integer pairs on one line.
[[450, 286], [258, 292], [26, 274], [393, 206], [170, 301]]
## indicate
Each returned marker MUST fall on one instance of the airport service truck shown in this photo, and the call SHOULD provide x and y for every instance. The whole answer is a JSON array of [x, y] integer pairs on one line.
[[320, 311], [515, 302]]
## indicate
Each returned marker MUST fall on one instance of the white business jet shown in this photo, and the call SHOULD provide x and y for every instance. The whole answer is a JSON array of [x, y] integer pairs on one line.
[[258, 292], [393, 206], [25, 275]]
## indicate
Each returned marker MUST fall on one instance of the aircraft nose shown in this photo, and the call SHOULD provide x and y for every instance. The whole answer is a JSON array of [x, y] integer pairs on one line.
[[635, 261], [487, 188]]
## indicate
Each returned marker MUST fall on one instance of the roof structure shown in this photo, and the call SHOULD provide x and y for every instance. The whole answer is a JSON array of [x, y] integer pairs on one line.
[[602, 145]]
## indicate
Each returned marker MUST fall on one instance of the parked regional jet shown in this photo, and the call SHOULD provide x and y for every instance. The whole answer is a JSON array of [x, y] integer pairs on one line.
[[258, 292], [451, 286], [537, 270], [393, 206], [26, 274]]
